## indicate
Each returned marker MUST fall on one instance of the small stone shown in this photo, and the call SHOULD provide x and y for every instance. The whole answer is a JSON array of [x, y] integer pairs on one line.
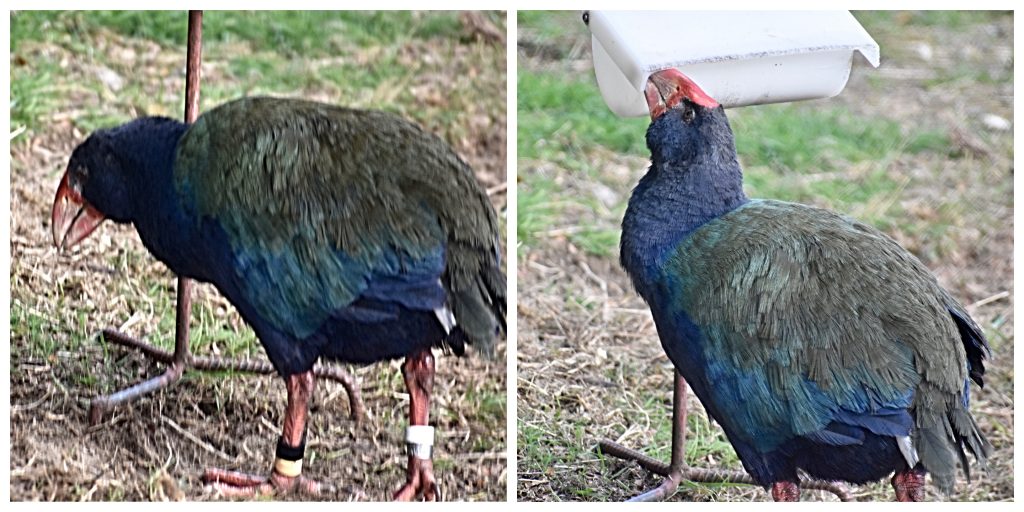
[[605, 194], [924, 50], [110, 78], [997, 123]]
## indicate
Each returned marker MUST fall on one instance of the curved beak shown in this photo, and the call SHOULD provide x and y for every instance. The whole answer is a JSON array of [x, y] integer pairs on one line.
[[668, 87], [73, 219]]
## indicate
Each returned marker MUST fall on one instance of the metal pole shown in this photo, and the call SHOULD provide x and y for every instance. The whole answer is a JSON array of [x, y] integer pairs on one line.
[[193, 64]]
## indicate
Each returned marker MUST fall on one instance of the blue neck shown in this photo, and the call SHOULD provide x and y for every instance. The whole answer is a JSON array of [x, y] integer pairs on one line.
[[167, 227], [677, 195]]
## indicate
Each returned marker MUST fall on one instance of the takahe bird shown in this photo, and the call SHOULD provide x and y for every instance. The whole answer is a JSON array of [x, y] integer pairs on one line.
[[815, 341], [345, 234]]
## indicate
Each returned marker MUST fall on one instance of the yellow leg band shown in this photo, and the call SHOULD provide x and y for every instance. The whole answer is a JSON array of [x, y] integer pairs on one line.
[[289, 468]]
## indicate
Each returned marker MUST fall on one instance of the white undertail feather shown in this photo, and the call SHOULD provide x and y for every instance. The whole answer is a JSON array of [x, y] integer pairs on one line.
[[908, 450], [445, 316]]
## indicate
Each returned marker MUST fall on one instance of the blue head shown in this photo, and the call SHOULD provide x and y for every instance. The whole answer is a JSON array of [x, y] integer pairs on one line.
[[686, 124], [108, 174]]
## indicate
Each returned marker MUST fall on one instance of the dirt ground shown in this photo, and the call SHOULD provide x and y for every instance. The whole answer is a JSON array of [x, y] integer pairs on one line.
[[157, 447], [590, 364]]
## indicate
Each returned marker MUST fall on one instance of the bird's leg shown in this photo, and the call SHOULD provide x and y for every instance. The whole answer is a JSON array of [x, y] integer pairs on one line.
[[677, 471], [786, 491], [677, 465], [286, 476], [418, 372], [909, 485]]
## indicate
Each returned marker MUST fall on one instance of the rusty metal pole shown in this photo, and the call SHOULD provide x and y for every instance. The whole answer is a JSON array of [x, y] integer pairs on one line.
[[182, 359], [677, 471], [193, 65]]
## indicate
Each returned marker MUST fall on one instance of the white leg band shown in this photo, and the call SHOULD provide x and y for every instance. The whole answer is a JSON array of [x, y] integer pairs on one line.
[[420, 441]]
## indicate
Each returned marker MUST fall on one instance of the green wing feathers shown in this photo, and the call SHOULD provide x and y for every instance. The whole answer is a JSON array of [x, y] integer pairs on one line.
[[779, 284], [357, 182]]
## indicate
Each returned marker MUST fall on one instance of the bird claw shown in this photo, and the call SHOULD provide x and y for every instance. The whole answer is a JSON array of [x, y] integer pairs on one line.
[[419, 482], [236, 484]]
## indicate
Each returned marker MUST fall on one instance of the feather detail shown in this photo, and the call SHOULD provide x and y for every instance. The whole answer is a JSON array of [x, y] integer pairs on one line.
[[445, 316], [906, 446]]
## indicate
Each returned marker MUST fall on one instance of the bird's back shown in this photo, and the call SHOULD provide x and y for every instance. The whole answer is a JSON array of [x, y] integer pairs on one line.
[[325, 205]]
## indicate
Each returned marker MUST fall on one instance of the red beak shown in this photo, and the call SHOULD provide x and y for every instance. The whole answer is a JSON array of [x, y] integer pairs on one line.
[[668, 87], [73, 218]]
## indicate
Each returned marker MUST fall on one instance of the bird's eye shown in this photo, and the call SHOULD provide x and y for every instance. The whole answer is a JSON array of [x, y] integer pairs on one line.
[[688, 114]]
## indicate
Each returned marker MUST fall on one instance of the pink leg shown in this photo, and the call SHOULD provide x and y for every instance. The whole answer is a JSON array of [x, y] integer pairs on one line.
[[909, 485], [418, 372], [286, 475], [786, 491]]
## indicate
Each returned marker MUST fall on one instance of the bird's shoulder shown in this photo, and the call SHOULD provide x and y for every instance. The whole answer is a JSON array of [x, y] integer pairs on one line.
[[791, 243]]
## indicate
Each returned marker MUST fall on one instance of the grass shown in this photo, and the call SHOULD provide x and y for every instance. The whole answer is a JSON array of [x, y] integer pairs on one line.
[[882, 21], [543, 26], [290, 33], [561, 115]]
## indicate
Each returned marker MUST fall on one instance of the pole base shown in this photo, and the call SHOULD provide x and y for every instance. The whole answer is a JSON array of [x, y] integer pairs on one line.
[[177, 367]]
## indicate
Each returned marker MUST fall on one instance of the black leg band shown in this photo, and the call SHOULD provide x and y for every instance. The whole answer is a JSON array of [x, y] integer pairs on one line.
[[292, 453]]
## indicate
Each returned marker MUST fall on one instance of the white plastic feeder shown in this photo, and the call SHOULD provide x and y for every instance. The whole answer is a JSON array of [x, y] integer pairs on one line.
[[738, 57]]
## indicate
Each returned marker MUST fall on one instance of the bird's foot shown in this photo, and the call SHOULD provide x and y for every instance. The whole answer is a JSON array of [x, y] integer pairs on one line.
[[909, 485], [419, 482], [786, 491], [236, 484]]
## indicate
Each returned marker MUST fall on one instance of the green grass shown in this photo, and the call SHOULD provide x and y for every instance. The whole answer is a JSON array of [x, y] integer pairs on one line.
[[34, 93], [292, 33], [814, 139], [952, 20], [43, 334], [260, 52], [491, 404], [561, 119], [553, 27], [42, 331], [703, 440], [537, 446], [559, 116], [537, 210]]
